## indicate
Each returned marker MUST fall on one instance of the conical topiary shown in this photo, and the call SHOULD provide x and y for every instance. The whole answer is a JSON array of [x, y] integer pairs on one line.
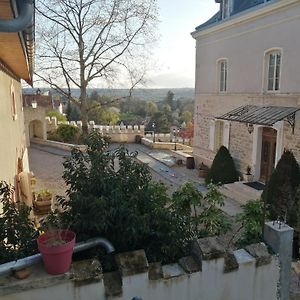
[[223, 169], [280, 190]]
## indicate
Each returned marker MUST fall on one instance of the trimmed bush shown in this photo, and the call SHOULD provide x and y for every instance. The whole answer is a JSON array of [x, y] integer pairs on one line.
[[68, 133], [280, 191], [223, 169]]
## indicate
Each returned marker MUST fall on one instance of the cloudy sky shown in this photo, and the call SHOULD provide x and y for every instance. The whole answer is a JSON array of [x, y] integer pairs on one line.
[[175, 53]]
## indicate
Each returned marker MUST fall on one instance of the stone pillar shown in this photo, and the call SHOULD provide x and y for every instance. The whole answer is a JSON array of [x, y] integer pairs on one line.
[[279, 237]]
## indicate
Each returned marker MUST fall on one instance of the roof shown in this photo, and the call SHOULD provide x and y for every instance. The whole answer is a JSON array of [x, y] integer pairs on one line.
[[42, 100], [260, 115], [239, 6], [16, 48]]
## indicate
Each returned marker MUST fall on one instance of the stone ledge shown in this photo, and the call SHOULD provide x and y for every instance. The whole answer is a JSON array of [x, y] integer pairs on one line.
[[172, 270], [155, 271], [131, 263], [208, 248], [113, 284], [189, 264], [260, 252], [86, 271], [230, 263]]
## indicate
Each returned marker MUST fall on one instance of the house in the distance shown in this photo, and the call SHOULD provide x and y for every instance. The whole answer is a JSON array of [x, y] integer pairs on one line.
[[16, 62], [45, 100], [248, 83]]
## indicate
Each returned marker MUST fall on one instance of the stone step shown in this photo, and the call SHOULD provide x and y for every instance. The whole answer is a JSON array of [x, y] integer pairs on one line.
[[240, 192]]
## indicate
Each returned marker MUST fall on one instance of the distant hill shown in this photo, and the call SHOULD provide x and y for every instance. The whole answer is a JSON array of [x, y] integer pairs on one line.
[[156, 95]]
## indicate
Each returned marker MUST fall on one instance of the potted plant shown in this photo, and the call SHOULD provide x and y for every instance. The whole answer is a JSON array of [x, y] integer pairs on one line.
[[42, 201], [56, 247], [203, 170], [248, 175]]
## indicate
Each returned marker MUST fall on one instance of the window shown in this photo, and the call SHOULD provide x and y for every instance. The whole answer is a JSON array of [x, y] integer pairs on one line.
[[222, 76], [219, 132], [273, 61]]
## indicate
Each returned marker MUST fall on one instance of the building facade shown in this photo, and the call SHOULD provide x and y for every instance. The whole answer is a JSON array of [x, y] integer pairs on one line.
[[16, 60], [248, 84]]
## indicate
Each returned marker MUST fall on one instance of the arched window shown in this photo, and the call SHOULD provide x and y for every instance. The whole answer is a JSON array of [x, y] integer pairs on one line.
[[273, 66]]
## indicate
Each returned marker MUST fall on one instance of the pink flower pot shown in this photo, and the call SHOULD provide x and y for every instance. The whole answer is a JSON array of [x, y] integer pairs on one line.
[[56, 247]]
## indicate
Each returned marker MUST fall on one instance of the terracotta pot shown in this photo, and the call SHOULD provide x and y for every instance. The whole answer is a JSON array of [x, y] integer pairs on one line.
[[56, 247]]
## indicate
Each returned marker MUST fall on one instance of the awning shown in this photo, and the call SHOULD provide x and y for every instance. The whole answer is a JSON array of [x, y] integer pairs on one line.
[[261, 115]]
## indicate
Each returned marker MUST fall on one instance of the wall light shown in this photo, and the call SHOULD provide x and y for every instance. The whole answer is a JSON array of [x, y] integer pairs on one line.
[[34, 104], [250, 128]]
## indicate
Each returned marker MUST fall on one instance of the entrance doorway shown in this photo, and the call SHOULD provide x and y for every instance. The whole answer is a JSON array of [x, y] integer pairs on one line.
[[268, 153]]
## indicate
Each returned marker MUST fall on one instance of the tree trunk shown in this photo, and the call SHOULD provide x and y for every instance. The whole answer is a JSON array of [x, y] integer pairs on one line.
[[83, 110]]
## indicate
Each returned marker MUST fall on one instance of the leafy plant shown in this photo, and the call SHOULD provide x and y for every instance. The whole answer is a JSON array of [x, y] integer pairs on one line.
[[251, 223], [280, 191], [212, 218], [201, 214], [121, 204], [223, 169], [68, 133], [17, 231]]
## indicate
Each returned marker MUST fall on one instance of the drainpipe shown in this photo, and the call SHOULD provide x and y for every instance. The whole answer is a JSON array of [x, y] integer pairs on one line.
[[6, 269], [23, 20]]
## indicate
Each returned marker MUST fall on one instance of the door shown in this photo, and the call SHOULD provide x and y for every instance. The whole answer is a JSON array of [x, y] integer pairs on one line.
[[268, 153]]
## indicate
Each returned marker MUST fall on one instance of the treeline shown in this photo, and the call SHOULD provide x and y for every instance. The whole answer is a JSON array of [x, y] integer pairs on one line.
[[108, 110]]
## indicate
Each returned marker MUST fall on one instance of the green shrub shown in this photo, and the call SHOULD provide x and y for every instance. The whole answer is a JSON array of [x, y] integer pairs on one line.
[[123, 206], [68, 133], [201, 214], [251, 223], [223, 169], [17, 231], [280, 190], [53, 136]]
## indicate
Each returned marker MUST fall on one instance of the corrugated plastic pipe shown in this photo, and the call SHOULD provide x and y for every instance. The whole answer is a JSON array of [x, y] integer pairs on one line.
[[6, 269], [23, 20]]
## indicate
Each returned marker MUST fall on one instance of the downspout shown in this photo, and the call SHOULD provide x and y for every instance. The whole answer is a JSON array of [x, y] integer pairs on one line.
[[23, 20]]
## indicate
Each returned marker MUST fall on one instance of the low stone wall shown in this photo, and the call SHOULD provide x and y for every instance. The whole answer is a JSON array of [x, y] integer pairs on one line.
[[59, 145], [117, 134], [166, 145], [210, 274]]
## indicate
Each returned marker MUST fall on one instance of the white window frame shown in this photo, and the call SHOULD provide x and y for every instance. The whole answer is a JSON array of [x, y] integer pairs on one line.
[[222, 73], [276, 72]]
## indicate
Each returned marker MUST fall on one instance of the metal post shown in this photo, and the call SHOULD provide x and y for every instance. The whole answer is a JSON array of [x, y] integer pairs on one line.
[[153, 127]]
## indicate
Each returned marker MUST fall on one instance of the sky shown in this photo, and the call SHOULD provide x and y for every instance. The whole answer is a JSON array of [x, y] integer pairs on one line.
[[175, 53]]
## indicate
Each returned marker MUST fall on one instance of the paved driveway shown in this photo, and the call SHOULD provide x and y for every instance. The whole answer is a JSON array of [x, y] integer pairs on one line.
[[46, 163]]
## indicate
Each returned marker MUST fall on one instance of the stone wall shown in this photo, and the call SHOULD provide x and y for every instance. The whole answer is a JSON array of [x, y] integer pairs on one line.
[[117, 134], [210, 273], [241, 143], [12, 131]]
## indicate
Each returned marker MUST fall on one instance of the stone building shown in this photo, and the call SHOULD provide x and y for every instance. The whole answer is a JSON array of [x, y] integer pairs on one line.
[[16, 62], [248, 83], [42, 100]]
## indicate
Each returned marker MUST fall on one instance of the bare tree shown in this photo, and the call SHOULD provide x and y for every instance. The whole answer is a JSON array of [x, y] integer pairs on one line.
[[85, 41]]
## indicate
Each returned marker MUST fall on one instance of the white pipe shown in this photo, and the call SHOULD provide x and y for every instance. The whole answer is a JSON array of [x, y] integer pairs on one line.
[[7, 268]]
